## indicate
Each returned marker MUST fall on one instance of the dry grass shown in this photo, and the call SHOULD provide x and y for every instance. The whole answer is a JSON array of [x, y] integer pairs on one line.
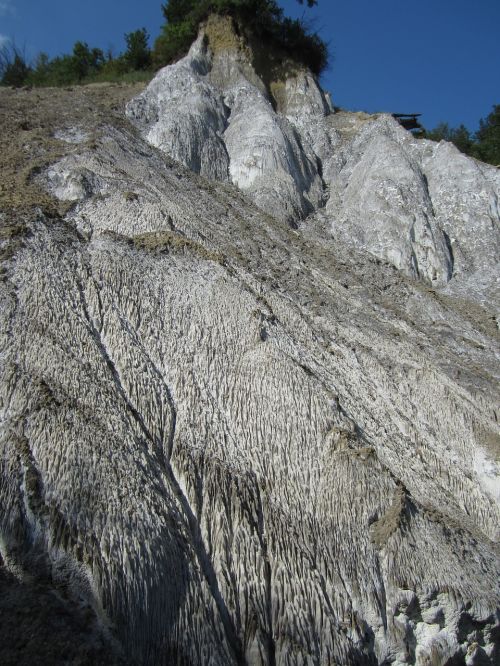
[[222, 36], [273, 66], [161, 241], [27, 144], [383, 528]]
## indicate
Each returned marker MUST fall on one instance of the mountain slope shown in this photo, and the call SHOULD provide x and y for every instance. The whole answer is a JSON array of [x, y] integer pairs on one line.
[[237, 441]]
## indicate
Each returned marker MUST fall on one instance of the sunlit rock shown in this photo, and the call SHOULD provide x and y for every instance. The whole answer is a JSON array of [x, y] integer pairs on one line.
[[232, 441]]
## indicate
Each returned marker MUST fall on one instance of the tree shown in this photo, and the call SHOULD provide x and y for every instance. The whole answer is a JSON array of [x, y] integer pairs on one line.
[[176, 11], [41, 69], [462, 139], [484, 145], [137, 56], [487, 145], [86, 61], [460, 136]]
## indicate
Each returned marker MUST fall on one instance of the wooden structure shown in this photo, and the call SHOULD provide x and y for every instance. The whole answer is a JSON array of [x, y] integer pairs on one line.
[[408, 120]]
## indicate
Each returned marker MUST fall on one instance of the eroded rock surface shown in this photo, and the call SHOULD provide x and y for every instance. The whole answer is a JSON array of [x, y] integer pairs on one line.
[[427, 209], [241, 443], [214, 113]]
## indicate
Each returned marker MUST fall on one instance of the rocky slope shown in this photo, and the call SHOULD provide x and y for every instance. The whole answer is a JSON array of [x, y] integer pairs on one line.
[[250, 374], [267, 127]]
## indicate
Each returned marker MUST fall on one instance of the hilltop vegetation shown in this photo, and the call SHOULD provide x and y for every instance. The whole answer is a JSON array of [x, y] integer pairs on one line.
[[89, 64], [484, 144], [83, 65], [265, 18]]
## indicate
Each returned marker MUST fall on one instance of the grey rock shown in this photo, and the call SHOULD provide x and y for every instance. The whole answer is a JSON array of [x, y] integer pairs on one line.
[[380, 200], [178, 99], [426, 208], [465, 195]]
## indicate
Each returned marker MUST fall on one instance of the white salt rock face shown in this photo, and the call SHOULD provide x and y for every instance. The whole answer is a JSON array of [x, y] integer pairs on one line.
[[243, 450], [71, 135], [465, 195], [229, 126], [488, 470], [254, 444], [245, 443], [266, 158], [382, 204], [258, 149], [69, 181], [306, 106], [304, 99], [426, 209], [185, 116]]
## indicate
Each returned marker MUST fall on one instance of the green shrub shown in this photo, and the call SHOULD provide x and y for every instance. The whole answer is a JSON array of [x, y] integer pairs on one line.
[[41, 71], [84, 65], [63, 70], [13, 67], [16, 73]]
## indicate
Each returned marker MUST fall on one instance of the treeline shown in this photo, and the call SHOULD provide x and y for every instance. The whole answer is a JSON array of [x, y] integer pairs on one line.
[[484, 144], [265, 18], [83, 65]]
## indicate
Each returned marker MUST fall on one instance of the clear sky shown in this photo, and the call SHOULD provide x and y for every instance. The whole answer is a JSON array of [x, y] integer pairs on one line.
[[437, 57]]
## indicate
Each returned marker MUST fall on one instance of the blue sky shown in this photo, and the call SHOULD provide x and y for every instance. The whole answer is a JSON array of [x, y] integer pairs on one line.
[[437, 57]]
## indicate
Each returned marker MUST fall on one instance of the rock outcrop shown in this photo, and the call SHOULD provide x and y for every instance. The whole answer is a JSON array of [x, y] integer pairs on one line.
[[240, 442], [269, 129], [215, 115]]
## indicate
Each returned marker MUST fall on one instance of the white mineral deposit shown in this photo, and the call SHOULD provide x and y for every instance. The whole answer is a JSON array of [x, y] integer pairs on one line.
[[250, 391]]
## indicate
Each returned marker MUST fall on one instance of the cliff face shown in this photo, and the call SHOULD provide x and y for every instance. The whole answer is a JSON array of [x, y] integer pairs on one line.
[[240, 442], [267, 127]]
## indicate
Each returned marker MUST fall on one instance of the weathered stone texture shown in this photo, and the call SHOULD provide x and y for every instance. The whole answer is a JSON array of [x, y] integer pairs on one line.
[[243, 443], [427, 209]]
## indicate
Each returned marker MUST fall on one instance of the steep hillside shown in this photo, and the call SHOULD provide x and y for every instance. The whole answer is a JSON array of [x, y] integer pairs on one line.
[[249, 374]]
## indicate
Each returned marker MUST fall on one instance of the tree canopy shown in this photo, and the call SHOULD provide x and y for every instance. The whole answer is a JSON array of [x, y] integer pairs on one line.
[[460, 136], [484, 145], [137, 56], [487, 140], [264, 18]]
